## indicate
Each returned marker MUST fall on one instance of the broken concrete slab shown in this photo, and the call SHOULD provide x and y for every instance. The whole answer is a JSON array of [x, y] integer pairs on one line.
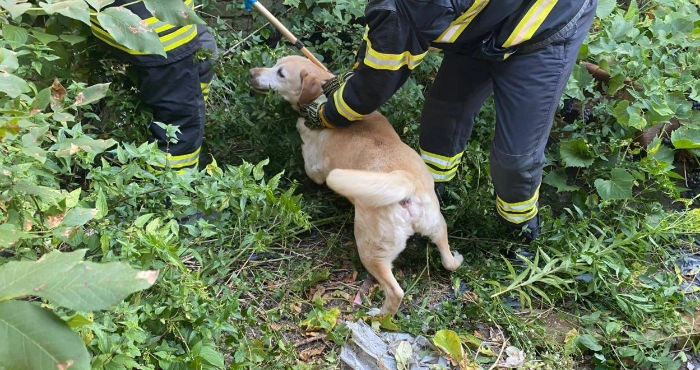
[[370, 350]]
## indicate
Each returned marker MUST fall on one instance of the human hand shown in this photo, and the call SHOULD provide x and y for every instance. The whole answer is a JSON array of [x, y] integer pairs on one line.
[[313, 113], [334, 83]]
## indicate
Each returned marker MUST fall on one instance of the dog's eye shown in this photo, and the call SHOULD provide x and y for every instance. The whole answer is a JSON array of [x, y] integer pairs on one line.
[[279, 73]]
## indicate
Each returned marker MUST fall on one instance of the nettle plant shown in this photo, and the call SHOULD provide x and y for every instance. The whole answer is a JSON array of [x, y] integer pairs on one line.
[[63, 188]]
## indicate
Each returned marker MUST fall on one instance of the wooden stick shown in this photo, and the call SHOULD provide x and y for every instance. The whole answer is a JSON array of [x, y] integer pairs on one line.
[[299, 45]]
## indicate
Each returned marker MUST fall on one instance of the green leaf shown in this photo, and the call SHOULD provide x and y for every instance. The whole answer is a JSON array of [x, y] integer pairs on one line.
[[558, 180], [10, 234], [318, 319], [101, 205], [41, 100], [91, 94], [128, 30], [448, 341], [618, 187], [589, 342], [72, 39], [65, 280], [612, 327], [77, 321], [63, 117], [12, 85], [174, 12], [16, 36], [8, 61], [575, 153], [686, 137], [35, 338], [403, 354], [15, 7], [605, 7], [78, 216], [76, 9], [47, 194], [212, 356], [92, 146], [43, 37]]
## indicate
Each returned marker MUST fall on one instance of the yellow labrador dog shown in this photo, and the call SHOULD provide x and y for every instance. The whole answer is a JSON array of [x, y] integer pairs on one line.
[[387, 182]]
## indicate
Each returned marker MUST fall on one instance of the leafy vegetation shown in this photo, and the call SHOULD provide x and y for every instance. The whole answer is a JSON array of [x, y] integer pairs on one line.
[[256, 263]]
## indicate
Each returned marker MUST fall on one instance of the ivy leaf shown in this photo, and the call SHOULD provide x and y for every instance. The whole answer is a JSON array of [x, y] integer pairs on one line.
[[91, 94], [618, 187], [14, 7], [76, 9], [174, 12], [12, 85], [129, 30], [575, 153], [605, 7], [686, 137], [66, 280], [558, 180], [589, 342], [448, 341], [35, 338]]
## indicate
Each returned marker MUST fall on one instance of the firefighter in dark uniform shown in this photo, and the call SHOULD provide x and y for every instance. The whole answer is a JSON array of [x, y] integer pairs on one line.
[[522, 51], [176, 87]]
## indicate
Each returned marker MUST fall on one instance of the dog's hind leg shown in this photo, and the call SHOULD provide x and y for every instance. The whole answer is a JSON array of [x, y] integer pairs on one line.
[[450, 260], [381, 270], [377, 255]]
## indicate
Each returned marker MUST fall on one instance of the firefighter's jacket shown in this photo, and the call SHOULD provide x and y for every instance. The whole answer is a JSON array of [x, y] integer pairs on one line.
[[178, 41], [399, 33]]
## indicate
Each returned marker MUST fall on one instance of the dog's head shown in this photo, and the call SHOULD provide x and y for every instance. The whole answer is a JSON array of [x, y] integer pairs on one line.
[[296, 78]]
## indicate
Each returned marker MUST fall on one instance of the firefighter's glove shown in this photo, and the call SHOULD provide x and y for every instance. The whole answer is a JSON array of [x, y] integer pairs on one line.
[[312, 113], [334, 83]]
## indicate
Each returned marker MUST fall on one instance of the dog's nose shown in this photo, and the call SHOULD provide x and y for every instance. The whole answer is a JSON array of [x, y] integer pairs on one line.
[[254, 71]]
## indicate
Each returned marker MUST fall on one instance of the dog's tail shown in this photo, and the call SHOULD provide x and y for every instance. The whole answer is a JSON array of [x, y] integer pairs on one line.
[[372, 189]]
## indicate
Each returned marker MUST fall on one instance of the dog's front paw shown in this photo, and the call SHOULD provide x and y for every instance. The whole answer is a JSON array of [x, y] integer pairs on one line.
[[374, 312], [457, 260]]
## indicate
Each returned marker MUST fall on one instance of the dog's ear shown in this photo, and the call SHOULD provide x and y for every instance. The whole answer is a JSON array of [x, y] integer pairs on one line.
[[311, 87]]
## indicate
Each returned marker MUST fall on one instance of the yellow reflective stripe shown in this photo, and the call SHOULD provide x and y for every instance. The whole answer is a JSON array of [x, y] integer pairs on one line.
[[183, 160], [518, 217], [157, 25], [179, 37], [440, 161], [532, 20], [391, 62], [343, 108], [323, 119], [519, 206], [442, 175], [458, 25]]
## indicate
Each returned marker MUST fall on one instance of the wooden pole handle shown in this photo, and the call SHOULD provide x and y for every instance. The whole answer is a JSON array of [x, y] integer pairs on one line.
[[285, 32]]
